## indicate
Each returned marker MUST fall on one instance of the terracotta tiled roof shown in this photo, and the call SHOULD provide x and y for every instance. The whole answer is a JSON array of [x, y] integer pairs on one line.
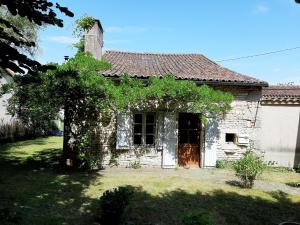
[[183, 66], [281, 95], [281, 91]]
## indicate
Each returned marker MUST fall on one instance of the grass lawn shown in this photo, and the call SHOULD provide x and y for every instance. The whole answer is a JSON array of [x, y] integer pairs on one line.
[[41, 195]]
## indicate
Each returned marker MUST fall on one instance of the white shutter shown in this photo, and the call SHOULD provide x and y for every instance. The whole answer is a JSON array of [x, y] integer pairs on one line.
[[211, 137], [170, 140], [160, 130], [124, 131]]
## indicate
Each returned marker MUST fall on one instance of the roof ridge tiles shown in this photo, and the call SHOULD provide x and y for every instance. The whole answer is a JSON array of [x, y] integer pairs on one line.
[[153, 53]]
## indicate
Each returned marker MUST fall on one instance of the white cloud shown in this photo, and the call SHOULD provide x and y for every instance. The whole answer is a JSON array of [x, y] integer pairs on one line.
[[261, 9], [130, 29], [62, 39]]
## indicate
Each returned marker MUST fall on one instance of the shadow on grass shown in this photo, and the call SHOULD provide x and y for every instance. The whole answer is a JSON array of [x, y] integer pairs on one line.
[[294, 184], [34, 190], [226, 207], [234, 183], [47, 158]]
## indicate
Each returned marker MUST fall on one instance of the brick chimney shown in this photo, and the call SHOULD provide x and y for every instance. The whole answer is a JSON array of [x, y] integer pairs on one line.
[[93, 40]]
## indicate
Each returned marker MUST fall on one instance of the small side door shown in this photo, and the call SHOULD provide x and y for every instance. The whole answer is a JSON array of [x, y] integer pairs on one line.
[[170, 140], [211, 137]]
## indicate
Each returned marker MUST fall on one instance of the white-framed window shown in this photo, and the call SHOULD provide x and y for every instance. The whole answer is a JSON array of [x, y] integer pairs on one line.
[[144, 127]]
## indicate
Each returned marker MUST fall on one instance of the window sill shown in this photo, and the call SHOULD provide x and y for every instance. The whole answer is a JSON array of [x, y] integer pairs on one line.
[[230, 146], [144, 147]]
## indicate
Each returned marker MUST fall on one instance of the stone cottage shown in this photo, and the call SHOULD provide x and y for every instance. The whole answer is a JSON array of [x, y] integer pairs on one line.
[[178, 138]]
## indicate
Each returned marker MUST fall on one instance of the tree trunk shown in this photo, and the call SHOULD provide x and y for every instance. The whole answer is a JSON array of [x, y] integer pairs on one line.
[[69, 158]]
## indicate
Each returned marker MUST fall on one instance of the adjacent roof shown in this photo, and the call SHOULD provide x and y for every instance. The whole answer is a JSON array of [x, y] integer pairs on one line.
[[281, 95], [281, 91], [183, 66]]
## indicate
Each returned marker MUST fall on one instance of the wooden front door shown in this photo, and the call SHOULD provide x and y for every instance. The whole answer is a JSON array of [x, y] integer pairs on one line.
[[189, 140]]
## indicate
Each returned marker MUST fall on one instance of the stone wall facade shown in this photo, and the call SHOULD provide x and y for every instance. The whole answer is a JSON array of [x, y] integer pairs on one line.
[[244, 120], [145, 157]]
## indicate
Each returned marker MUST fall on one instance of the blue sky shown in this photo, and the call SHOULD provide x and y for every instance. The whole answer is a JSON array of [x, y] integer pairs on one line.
[[217, 29]]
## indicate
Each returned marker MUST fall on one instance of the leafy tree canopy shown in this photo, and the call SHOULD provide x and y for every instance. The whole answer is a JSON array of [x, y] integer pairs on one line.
[[39, 12], [28, 29]]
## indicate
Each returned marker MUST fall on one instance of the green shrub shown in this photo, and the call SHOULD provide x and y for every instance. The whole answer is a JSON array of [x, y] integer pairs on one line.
[[248, 168], [114, 154], [220, 164], [135, 165], [198, 219], [113, 203], [297, 168]]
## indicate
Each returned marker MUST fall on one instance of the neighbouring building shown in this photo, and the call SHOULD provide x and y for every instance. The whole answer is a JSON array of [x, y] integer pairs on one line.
[[5, 78], [280, 133]]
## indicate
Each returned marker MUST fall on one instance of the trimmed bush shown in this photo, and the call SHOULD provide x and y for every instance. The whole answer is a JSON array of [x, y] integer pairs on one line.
[[248, 168], [113, 203], [198, 219]]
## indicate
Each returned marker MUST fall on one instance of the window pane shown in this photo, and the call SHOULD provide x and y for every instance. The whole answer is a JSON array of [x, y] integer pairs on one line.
[[138, 128], [149, 139], [149, 129], [137, 139], [150, 118], [138, 118]]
